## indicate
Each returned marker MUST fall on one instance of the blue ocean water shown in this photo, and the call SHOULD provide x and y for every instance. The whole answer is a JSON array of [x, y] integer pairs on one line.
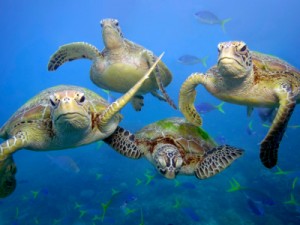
[[51, 190]]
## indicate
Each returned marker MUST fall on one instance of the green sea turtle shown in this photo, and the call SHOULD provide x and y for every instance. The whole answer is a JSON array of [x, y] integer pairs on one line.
[[119, 65], [248, 78], [58, 118], [175, 146]]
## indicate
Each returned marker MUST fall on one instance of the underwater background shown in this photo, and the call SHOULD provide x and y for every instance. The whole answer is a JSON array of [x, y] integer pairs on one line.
[[96, 185]]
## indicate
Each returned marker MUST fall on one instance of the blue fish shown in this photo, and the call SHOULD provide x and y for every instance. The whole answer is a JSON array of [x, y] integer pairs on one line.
[[255, 207], [258, 196], [206, 107], [267, 114], [191, 213], [64, 162], [249, 128], [192, 60], [188, 185], [128, 199], [207, 17], [221, 140]]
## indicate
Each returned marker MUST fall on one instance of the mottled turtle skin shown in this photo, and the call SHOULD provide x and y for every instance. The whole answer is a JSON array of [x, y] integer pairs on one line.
[[248, 78], [60, 117], [175, 146], [119, 65]]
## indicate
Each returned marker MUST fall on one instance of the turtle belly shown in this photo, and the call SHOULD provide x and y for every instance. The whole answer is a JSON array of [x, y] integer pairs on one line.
[[254, 97], [120, 77]]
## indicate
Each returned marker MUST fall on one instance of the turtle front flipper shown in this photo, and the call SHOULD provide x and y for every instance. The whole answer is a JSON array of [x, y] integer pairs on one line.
[[187, 98], [137, 102], [7, 177], [151, 59], [124, 143], [216, 160], [69, 52], [12, 144], [269, 146], [105, 117]]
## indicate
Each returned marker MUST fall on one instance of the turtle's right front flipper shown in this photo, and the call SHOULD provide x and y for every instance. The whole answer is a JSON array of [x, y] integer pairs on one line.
[[124, 143], [69, 52], [216, 160], [7, 177], [187, 98], [13, 144]]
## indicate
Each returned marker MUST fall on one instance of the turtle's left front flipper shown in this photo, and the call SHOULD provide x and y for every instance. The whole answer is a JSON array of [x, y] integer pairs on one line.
[[216, 160], [150, 58], [7, 177], [124, 143], [269, 146]]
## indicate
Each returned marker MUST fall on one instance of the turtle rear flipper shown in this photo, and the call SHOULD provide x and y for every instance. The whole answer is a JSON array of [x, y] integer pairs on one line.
[[7, 177], [216, 160], [269, 146], [124, 143], [69, 52]]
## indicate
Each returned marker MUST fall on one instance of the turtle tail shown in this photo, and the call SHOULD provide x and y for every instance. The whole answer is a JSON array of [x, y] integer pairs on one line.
[[72, 51]]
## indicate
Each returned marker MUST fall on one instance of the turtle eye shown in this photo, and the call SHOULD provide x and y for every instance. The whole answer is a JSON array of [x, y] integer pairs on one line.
[[244, 48], [116, 22], [101, 23], [220, 47], [82, 99], [54, 101]]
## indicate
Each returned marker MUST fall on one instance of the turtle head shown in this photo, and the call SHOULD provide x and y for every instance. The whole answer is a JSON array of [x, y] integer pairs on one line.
[[234, 60], [70, 111], [111, 33], [168, 160]]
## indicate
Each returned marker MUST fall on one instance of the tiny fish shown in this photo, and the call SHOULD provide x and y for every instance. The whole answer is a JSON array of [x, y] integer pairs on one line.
[[249, 128], [267, 114], [255, 208], [191, 213], [221, 140], [66, 163], [206, 107], [192, 60], [110, 97], [207, 17], [258, 196]]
